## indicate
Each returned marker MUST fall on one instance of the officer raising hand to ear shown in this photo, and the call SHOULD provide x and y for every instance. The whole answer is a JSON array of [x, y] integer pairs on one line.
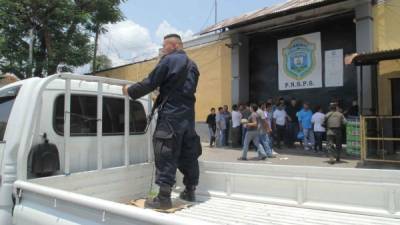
[[176, 144]]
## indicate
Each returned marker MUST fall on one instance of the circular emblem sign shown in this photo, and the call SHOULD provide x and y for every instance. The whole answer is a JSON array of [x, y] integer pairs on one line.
[[299, 58]]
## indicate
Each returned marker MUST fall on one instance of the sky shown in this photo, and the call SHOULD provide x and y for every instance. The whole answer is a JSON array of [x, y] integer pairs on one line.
[[140, 35]]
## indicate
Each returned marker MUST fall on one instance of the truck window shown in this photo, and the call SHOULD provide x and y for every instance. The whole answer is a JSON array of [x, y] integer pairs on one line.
[[113, 116], [7, 98], [84, 113], [138, 119]]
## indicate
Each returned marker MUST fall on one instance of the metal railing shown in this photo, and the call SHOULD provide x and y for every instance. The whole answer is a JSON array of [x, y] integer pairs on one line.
[[104, 209], [380, 138], [68, 77]]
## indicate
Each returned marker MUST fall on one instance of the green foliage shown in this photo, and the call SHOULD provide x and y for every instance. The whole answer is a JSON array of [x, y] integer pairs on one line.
[[62, 31], [102, 63]]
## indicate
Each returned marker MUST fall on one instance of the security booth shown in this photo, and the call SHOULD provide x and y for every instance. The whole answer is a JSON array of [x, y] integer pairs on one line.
[[380, 132]]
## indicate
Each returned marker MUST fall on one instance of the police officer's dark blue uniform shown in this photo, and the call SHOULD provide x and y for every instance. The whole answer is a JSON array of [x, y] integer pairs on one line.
[[175, 142]]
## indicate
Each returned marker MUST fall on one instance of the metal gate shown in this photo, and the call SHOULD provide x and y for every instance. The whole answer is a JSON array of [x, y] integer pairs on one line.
[[380, 138]]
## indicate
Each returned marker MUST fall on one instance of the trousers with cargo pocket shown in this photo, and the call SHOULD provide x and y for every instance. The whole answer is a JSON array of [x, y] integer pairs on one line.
[[176, 146]]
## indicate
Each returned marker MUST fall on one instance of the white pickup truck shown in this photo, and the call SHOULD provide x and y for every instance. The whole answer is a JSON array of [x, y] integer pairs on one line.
[[74, 151]]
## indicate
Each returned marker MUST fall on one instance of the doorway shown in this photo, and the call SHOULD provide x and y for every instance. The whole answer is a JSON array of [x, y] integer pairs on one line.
[[396, 110], [396, 97]]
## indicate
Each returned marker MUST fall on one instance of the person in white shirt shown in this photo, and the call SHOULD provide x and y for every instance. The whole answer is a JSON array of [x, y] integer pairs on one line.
[[236, 131], [280, 117], [317, 120]]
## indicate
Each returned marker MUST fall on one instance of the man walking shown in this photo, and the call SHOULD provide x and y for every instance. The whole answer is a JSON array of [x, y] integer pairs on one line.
[[318, 119], [252, 135], [293, 122], [334, 122], [211, 126], [269, 116], [264, 129], [227, 116], [304, 117], [221, 127], [176, 144], [236, 132], [280, 118], [245, 114]]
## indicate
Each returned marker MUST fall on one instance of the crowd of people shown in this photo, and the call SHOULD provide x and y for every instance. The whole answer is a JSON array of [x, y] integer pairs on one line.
[[273, 124]]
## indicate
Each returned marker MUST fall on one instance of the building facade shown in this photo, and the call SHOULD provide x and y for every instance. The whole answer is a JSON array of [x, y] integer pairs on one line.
[[214, 87], [292, 50], [386, 37]]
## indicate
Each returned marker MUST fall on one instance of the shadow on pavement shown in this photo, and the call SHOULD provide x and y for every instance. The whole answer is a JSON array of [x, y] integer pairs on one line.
[[376, 165]]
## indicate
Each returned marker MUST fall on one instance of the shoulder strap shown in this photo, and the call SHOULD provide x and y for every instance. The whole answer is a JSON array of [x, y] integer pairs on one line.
[[327, 118]]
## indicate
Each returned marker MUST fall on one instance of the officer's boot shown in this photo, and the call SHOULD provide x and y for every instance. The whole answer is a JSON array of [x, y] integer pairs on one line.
[[162, 200], [188, 194]]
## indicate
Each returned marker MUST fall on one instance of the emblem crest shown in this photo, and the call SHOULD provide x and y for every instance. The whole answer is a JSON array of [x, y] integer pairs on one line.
[[299, 58]]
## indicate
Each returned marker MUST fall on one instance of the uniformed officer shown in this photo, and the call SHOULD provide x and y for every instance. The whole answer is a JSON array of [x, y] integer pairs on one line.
[[175, 142]]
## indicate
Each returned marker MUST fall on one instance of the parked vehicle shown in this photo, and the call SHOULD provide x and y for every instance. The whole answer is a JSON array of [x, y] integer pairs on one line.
[[74, 150]]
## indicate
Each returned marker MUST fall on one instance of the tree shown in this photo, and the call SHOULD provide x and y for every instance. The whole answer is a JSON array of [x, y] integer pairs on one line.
[[102, 63], [107, 11], [61, 31]]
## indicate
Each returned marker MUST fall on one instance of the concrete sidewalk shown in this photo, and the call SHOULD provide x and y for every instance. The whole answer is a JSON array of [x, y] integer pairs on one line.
[[294, 156]]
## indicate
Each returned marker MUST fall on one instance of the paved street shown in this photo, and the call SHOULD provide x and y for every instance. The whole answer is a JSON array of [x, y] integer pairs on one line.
[[296, 156]]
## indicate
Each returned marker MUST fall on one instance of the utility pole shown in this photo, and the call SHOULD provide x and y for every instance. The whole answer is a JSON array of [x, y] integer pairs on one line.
[[30, 60], [216, 11]]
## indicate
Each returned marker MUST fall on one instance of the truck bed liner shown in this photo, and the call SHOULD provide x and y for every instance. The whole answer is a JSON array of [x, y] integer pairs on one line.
[[229, 193], [235, 212]]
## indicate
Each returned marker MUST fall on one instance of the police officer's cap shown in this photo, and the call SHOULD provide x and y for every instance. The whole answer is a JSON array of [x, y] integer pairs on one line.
[[172, 36]]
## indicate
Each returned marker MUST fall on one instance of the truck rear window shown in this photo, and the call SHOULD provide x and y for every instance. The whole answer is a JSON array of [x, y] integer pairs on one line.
[[7, 98], [84, 113]]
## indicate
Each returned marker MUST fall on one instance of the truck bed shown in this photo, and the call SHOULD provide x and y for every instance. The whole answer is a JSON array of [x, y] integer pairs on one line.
[[236, 212], [229, 193]]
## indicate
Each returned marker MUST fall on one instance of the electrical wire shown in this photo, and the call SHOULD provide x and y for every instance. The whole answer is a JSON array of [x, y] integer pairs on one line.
[[209, 16]]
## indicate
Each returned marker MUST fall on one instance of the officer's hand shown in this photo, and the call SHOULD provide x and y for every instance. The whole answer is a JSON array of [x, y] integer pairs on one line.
[[125, 89]]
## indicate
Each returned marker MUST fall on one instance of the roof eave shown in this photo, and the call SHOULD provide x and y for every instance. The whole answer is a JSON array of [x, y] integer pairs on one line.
[[374, 58], [274, 15]]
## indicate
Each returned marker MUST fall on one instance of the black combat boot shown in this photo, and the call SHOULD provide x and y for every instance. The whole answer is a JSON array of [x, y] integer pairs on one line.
[[162, 200], [188, 194]]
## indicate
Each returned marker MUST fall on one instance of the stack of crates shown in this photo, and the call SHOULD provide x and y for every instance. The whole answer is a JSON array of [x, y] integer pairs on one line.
[[353, 137]]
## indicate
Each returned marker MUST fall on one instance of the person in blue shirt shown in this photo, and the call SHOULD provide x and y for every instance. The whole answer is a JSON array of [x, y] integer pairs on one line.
[[305, 124]]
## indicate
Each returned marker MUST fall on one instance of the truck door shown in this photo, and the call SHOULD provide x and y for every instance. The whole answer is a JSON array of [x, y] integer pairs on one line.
[[7, 98]]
